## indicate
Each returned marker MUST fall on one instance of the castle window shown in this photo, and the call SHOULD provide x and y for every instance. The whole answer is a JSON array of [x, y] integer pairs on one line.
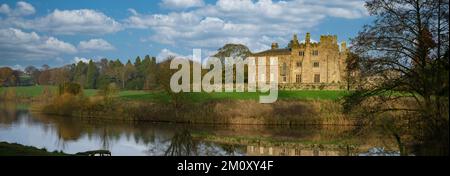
[[316, 64], [284, 69], [284, 79], [299, 64], [298, 78], [272, 61], [317, 78], [315, 53], [301, 53]]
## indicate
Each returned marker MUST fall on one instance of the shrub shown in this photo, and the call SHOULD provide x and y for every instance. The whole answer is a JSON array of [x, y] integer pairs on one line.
[[71, 88]]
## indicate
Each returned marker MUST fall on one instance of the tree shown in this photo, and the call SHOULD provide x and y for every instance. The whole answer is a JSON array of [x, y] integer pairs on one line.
[[127, 73], [33, 72], [45, 77], [45, 67], [137, 61], [30, 69], [80, 73], [351, 70], [60, 75], [117, 72], [7, 77], [92, 74], [404, 60], [148, 69], [163, 76]]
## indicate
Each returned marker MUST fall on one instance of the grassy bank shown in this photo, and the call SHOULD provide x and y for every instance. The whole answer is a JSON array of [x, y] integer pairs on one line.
[[282, 112], [140, 95], [13, 149], [292, 108]]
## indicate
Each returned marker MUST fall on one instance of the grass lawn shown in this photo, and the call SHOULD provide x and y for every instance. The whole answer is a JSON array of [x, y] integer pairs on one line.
[[28, 91], [32, 91]]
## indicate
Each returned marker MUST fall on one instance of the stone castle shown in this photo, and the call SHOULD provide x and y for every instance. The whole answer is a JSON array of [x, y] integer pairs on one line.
[[308, 64]]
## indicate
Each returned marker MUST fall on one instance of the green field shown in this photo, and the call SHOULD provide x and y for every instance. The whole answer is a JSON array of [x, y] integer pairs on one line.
[[33, 91]]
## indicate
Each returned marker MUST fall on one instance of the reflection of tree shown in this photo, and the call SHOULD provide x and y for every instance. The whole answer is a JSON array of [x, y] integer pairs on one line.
[[229, 149], [182, 144], [105, 139]]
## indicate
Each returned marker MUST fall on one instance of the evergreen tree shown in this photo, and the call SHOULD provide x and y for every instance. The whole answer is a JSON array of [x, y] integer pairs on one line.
[[92, 74], [137, 62]]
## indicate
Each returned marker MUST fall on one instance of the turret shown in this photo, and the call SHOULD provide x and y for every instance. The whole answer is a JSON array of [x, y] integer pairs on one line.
[[308, 38], [294, 43]]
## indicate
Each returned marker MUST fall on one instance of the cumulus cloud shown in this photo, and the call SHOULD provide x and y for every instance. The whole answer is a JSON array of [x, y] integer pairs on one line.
[[253, 23], [181, 4], [95, 44], [80, 59], [17, 44], [68, 22], [22, 9], [165, 53]]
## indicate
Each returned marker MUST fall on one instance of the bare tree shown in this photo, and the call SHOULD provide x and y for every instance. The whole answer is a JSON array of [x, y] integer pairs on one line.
[[405, 67]]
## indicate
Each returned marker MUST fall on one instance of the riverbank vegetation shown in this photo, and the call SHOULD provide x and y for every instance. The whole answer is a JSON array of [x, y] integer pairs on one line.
[[13, 149]]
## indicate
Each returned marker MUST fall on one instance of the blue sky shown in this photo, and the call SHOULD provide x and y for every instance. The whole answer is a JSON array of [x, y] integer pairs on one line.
[[56, 32]]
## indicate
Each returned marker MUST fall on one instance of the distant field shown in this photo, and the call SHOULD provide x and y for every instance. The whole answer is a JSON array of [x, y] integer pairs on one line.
[[32, 91]]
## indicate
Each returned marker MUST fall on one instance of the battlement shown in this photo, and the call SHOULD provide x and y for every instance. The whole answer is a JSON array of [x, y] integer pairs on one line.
[[328, 39]]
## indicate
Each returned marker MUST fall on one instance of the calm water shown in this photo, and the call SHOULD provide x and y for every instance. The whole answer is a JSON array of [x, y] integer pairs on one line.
[[73, 135]]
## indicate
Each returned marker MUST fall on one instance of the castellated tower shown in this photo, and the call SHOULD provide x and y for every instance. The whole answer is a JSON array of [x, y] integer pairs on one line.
[[309, 64]]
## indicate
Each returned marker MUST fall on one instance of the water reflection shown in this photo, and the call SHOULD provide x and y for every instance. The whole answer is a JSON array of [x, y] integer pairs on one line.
[[73, 135]]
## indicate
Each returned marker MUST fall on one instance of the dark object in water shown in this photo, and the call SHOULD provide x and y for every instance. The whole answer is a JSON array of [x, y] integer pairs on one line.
[[94, 153]]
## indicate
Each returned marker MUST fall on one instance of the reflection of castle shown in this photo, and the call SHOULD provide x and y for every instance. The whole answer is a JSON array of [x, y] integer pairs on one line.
[[285, 151], [308, 62]]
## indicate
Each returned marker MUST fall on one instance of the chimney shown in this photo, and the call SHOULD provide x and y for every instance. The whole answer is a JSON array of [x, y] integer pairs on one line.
[[274, 45]]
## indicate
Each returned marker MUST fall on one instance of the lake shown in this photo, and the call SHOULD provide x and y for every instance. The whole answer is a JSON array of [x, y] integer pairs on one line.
[[72, 135]]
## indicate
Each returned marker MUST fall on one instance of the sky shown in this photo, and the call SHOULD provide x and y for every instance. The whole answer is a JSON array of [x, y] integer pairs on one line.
[[55, 32]]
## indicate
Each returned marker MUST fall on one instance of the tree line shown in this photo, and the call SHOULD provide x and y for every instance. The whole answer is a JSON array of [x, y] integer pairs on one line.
[[137, 75]]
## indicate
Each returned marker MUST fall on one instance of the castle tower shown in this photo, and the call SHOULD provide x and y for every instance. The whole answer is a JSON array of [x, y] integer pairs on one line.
[[294, 42]]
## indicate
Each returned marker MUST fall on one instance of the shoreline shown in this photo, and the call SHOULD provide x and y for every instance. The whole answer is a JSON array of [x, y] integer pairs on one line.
[[221, 112]]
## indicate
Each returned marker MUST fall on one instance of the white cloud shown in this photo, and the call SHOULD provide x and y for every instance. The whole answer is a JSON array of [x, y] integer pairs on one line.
[[17, 44], [181, 4], [82, 59], [82, 21], [95, 44], [4, 9], [22, 9], [132, 11], [248, 22], [164, 53]]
